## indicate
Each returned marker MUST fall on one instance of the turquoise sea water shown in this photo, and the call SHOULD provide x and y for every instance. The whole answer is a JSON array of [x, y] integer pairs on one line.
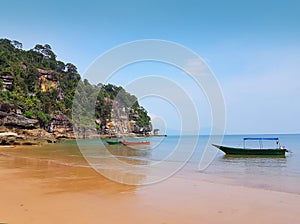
[[268, 172], [272, 173]]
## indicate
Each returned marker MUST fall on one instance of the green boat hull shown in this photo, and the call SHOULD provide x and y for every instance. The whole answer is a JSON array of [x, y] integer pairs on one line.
[[110, 142], [245, 151]]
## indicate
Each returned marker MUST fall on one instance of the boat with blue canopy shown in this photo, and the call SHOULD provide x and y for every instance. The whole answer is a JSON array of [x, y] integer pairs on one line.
[[278, 149]]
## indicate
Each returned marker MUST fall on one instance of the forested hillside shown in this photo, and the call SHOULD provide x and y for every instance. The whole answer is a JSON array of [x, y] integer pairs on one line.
[[38, 86]]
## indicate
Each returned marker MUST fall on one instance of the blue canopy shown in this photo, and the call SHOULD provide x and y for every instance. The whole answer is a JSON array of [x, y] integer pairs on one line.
[[261, 139]]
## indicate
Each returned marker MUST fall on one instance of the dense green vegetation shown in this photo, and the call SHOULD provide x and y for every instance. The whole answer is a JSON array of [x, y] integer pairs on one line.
[[44, 86], [26, 92]]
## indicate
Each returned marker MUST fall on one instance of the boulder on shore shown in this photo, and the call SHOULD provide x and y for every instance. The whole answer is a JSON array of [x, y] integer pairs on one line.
[[26, 137], [10, 138]]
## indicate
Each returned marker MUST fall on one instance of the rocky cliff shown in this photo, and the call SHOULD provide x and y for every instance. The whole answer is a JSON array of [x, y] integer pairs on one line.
[[37, 92], [16, 121]]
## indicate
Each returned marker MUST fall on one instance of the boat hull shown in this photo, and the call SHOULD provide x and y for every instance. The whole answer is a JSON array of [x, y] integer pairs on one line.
[[135, 143], [242, 151], [113, 142]]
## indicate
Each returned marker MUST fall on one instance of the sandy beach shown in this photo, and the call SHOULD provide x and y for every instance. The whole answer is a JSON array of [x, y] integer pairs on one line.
[[35, 191]]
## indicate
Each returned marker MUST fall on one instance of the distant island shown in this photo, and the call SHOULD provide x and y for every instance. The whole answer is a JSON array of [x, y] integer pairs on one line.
[[36, 97]]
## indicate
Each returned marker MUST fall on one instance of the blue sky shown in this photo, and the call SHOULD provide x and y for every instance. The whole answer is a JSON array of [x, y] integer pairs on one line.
[[252, 47]]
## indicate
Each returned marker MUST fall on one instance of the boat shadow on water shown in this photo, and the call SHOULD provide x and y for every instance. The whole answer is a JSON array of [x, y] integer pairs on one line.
[[128, 150], [231, 156], [255, 162]]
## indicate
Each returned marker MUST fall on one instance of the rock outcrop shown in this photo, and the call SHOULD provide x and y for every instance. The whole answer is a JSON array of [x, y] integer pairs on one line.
[[26, 137], [50, 79], [123, 120], [12, 120], [61, 127], [7, 81], [16, 129]]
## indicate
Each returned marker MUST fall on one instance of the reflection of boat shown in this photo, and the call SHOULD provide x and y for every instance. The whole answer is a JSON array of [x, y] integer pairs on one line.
[[279, 150], [254, 157], [132, 143]]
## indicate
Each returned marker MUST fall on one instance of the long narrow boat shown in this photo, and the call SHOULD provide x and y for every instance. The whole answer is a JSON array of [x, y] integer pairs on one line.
[[132, 143], [279, 150], [113, 142]]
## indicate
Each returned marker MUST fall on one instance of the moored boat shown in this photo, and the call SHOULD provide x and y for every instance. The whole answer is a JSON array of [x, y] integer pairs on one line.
[[132, 143], [113, 142], [278, 150]]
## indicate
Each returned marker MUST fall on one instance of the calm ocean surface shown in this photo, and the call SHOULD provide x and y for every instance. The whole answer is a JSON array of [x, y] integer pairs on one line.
[[272, 173]]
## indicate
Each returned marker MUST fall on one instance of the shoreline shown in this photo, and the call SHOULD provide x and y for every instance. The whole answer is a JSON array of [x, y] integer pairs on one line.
[[35, 191], [41, 137]]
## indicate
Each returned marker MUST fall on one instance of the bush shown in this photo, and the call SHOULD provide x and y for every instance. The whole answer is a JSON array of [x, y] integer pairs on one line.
[[29, 114], [43, 118]]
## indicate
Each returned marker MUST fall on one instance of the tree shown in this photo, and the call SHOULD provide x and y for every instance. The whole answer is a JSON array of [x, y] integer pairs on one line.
[[38, 48], [46, 51], [71, 68], [61, 67], [3, 60], [17, 44]]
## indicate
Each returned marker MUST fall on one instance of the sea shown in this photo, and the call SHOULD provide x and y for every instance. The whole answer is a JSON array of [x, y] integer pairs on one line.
[[177, 156]]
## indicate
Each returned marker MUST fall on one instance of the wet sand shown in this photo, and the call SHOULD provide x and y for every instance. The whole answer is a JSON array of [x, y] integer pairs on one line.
[[34, 191]]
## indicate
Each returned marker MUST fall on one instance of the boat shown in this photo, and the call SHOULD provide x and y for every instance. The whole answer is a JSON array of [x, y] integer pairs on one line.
[[132, 143], [279, 150], [113, 142]]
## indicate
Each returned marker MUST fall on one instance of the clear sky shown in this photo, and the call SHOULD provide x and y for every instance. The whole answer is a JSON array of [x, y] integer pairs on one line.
[[253, 48]]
